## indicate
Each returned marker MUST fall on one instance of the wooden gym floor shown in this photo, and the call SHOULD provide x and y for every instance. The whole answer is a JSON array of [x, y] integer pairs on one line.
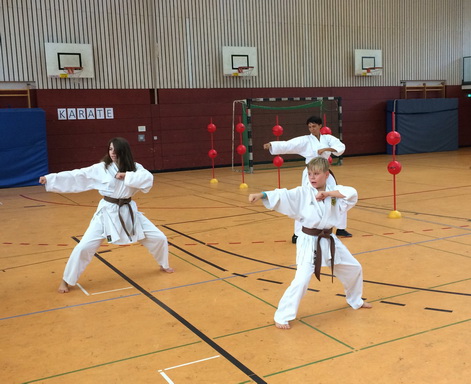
[[212, 320]]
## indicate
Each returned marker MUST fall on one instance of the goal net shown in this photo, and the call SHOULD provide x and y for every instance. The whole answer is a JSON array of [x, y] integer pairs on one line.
[[260, 115]]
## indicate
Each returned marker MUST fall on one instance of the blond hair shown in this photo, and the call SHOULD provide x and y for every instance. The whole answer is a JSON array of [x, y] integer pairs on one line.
[[318, 164]]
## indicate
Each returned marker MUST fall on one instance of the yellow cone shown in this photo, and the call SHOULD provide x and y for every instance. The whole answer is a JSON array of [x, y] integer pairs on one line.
[[394, 215]]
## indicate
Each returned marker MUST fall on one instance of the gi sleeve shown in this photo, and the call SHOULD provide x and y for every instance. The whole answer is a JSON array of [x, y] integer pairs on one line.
[[140, 179], [350, 199], [77, 180], [335, 143], [296, 146], [284, 201]]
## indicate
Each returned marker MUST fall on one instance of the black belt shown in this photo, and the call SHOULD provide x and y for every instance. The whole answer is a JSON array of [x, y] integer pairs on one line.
[[326, 234], [120, 203]]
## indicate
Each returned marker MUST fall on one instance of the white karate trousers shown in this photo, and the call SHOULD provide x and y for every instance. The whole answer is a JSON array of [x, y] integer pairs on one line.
[[155, 241], [349, 273]]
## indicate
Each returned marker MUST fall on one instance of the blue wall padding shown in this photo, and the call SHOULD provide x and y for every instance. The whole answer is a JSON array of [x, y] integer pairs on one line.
[[425, 125], [23, 146]]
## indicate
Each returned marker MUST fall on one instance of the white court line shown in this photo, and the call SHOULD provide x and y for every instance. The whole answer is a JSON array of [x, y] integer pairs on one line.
[[193, 362], [83, 289], [113, 290], [166, 377], [161, 371]]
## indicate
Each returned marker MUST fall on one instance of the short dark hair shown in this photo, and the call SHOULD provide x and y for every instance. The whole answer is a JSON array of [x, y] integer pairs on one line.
[[314, 120]]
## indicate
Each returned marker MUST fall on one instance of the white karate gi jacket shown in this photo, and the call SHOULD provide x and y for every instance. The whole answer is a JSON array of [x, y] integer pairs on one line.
[[103, 179], [307, 146], [300, 204]]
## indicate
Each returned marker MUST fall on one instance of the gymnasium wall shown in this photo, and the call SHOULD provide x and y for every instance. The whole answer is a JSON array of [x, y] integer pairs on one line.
[[168, 44], [158, 65], [176, 136]]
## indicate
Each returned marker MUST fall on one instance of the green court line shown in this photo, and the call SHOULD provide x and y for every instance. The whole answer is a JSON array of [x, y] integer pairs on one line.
[[245, 330], [302, 366], [415, 334], [348, 353], [224, 279], [308, 364], [325, 334], [111, 362]]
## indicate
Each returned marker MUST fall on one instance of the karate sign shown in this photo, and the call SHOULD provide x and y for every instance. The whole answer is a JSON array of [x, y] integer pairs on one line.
[[84, 113]]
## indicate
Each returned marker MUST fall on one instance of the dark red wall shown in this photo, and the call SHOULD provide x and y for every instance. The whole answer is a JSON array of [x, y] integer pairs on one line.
[[176, 136]]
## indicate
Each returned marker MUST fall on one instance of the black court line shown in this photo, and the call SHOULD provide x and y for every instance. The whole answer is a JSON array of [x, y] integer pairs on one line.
[[270, 281], [293, 268], [438, 309], [184, 322], [224, 251], [238, 274], [417, 288], [392, 303], [197, 257]]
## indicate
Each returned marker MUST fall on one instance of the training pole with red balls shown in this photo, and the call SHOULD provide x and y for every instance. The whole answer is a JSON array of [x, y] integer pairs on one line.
[[212, 152], [278, 160], [394, 167], [241, 149]]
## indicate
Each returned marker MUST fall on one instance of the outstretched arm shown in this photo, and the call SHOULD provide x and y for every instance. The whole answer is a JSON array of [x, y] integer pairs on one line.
[[253, 197]]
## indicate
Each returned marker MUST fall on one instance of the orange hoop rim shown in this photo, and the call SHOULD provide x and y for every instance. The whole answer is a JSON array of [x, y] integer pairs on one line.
[[71, 70]]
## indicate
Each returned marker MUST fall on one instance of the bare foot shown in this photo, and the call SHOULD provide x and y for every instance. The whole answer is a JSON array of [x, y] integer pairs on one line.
[[63, 287], [168, 270], [282, 326], [366, 305]]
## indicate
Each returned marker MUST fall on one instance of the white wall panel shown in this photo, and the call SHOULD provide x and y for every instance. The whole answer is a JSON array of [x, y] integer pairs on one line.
[[178, 43]]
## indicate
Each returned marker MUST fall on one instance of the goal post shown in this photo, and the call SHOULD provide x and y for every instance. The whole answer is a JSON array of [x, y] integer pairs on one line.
[[259, 115]]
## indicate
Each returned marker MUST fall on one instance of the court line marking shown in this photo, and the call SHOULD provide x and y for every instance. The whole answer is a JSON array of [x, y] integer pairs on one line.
[[192, 362], [111, 290], [231, 359], [324, 274], [164, 375], [167, 379], [83, 289]]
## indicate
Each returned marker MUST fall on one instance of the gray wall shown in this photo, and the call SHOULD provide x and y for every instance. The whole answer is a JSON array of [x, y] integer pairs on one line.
[[177, 43]]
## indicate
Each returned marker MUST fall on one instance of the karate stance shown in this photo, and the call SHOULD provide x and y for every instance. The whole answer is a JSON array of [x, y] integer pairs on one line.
[[318, 207], [117, 178], [309, 147]]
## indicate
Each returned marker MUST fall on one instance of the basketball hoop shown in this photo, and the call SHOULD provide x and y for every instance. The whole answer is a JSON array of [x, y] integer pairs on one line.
[[243, 71], [71, 72], [373, 71]]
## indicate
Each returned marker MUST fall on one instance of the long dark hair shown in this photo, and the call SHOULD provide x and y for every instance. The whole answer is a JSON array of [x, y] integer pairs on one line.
[[124, 154]]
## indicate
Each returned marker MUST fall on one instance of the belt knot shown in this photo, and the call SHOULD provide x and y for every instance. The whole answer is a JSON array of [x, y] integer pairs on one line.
[[120, 203], [321, 234]]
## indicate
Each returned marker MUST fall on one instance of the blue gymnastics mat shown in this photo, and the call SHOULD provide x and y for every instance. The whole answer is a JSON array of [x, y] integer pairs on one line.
[[23, 146], [425, 125]]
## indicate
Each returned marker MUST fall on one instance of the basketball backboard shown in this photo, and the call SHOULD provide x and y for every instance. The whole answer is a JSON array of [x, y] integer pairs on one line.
[[240, 61], [59, 57], [368, 62]]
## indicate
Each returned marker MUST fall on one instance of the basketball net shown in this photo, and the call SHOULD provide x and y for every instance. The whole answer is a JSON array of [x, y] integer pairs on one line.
[[72, 73]]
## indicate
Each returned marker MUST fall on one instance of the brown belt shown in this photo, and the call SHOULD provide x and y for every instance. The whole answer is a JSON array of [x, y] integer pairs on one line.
[[120, 203], [326, 234]]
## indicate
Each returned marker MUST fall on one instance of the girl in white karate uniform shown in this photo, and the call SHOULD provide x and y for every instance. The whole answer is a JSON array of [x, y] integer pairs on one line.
[[312, 146], [117, 178], [317, 206]]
